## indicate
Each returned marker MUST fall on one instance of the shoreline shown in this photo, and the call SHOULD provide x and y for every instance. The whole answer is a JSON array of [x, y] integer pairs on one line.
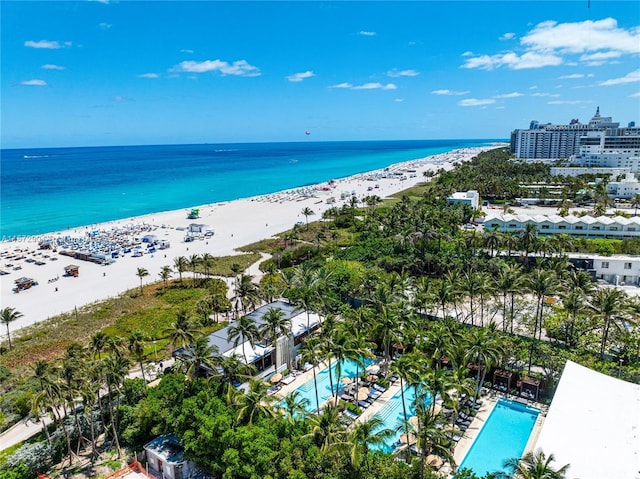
[[235, 223]]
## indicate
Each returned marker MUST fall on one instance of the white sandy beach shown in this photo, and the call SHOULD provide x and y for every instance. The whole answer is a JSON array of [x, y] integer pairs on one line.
[[236, 223]]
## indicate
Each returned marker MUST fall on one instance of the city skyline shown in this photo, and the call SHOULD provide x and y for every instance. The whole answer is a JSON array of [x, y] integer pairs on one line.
[[125, 73]]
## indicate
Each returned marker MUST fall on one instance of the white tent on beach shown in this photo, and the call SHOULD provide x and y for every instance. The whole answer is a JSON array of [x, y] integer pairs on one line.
[[593, 424]]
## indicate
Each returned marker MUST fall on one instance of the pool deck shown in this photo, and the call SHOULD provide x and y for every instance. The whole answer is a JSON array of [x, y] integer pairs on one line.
[[470, 434]]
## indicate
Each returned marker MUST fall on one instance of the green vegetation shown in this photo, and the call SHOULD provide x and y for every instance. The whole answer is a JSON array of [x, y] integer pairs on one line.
[[401, 276]]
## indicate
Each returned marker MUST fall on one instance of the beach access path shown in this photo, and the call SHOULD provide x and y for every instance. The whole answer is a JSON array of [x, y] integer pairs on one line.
[[236, 223]]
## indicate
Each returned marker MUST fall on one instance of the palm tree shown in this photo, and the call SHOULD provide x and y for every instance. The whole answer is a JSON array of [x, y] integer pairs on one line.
[[275, 324], [309, 352], [181, 332], [528, 238], [611, 306], [405, 368], [180, 264], [294, 407], [207, 262], [246, 292], [534, 465], [136, 348], [328, 428], [193, 262], [255, 402], [508, 283], [307, 212], [9, 315], [635, 202], [484, 350], [200, 355], [115, 370], [141, 273], [432, 437], [165, 274], [364, 435], [244, 330], [98, 343], [542, 284], [234, 371]]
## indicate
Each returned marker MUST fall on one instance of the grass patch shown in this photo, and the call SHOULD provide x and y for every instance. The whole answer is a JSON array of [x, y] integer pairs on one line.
[[416, 191], [222, 266], [263, 246]]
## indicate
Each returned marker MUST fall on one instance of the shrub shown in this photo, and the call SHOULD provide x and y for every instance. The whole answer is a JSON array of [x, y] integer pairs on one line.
[[36, 457]]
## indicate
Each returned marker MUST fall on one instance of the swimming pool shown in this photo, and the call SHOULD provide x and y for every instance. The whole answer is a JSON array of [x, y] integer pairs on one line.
[[307, 390], [392, 416], [504, 435]]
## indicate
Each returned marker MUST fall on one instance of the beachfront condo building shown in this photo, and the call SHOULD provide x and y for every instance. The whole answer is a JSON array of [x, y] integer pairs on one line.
[[550, 141]]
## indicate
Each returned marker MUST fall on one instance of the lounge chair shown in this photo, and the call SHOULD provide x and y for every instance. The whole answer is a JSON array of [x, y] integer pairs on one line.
[[377, 387], [346, 397], [350, 414], [363, 404]]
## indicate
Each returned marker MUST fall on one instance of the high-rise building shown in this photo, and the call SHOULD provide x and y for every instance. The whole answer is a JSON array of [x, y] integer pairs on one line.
[[556, 141]]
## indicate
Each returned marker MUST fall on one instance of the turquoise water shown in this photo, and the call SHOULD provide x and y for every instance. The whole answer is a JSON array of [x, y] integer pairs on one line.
[[50, 189], [392, 416], [503, 436], [307, 390]]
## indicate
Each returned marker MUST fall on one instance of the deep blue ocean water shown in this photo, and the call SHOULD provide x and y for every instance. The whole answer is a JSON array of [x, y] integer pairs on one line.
[[49, 189]]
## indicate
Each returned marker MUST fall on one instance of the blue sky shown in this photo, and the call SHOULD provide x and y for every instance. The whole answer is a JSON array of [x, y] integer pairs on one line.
[[121, 73]]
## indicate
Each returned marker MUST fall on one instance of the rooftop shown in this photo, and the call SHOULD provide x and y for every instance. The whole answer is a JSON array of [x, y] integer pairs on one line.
[[593, 424]]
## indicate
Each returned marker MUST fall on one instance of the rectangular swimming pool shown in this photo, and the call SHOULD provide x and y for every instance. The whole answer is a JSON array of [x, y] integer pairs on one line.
[[504, 435]]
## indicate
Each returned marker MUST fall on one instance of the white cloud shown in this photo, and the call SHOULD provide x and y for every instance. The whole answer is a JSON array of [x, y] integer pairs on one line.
[[105, 25], [514, 94], [367, 34], [552, 95], [375, 86], [398, 100], [628, 78], [513, 60], [635, 95], [467, 54], [395, 73], [580, 37], [298, 77], [365, 86], [238, 68], [600, 56], [121, 99], [507, 36], [476, 102], [33, 83], [149, 75], [548, 43], [449, 92], [572, 76], [185, 50], [50, 66], [48, 44], [568, 102]]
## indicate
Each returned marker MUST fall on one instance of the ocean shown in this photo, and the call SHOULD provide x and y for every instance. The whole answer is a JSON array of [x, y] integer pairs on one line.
[[50, 189]]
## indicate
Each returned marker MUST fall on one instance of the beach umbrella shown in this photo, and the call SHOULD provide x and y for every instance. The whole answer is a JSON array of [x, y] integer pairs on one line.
[[346, 380], [276, 378], [373, 369], [436, 408], [413, 420], [407, 438], [371, 378], [363, 393], [434, 460]]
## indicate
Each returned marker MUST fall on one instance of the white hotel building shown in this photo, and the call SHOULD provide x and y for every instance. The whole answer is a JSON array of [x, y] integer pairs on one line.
[[617, 227]]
